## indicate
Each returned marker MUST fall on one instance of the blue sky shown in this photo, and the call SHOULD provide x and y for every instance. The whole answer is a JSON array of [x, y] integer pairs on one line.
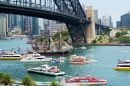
[[113, 8]]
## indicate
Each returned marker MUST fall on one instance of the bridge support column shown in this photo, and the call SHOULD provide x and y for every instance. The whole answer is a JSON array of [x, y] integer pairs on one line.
[[90, 30]]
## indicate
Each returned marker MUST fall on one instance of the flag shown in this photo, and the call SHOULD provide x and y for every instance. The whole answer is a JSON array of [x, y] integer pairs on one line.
[[19, 50]]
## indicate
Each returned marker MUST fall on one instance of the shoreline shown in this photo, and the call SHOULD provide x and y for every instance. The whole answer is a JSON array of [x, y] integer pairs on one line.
[[101, 44], [80, 44]]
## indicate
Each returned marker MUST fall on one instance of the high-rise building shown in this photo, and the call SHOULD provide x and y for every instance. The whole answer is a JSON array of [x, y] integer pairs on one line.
[[40, 26], [9, 22], [96, 16], [118, 24], [27, 23], [34, 26], [99, 21], [3, 27], [125, 19], [106, 20]]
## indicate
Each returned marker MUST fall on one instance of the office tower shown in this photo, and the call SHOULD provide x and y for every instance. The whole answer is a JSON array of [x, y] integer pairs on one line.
[[99, 21], [96, 16], [27, 24], [40, 26], [10, 26], [3, 26], [106, 20], [34, 26], [125, 20], [118, 24]]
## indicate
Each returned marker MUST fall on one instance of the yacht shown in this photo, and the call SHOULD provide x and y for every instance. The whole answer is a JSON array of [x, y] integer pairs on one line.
[[35, 57], [46, 69], [74, 59], [83, 80], [11, 56], [123, 65]]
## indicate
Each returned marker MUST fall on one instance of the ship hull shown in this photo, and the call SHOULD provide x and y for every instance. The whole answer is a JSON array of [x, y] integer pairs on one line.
[[122, 68], [54, 53]]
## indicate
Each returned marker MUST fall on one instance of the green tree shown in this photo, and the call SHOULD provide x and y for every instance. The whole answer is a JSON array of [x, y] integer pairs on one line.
[[25, 33], [118, 34], [41, 40], [111, 39], [7, 79], [108, 31], [1, 77], [124, 39], [65, 35], [94, 41], [53, 83], [28, 81], [100, 38]]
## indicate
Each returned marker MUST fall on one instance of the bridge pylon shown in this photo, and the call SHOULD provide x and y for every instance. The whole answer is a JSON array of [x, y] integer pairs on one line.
[[90, 30]]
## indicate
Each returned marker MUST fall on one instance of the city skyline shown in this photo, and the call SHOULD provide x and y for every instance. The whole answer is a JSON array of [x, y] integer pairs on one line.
[[113, 8]]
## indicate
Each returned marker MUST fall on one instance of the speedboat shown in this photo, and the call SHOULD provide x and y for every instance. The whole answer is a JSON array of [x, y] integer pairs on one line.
[[74, 59], [46, 69], [35, 57], [84, 80], [59, 60], [10, 56], [123, 65]]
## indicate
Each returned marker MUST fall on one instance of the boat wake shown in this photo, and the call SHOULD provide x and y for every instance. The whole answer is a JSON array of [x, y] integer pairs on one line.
[[123, 51]]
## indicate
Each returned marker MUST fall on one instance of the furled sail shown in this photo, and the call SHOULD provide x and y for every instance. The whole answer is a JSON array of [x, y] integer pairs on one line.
[[68, 46], [52, 43]]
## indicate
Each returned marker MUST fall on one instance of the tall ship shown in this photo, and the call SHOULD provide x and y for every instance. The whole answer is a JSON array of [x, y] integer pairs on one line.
[[50, 47]]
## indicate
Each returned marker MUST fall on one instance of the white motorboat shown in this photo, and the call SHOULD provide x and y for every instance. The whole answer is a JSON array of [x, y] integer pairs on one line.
[[59, 60], [10, 56], [35, 57], [74, 59], [46, 69]]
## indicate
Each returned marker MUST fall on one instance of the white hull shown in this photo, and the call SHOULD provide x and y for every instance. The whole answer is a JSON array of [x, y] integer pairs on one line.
[[85, 83], [79, 62], [36, 60], [10, 58], [48, 73]]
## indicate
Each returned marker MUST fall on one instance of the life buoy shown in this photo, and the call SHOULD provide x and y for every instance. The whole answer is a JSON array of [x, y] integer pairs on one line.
[[24, 55]]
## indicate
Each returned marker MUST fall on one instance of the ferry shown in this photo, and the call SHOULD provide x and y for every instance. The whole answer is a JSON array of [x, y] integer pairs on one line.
[[84, 80], [123, 65], [35, 57], [46, 69], [74, 59], [11, 56]]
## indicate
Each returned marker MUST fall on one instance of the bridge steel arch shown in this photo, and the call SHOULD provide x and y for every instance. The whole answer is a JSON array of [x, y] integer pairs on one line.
[[68, 11]]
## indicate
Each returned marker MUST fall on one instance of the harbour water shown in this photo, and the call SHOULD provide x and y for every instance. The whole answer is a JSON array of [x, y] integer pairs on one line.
[[107, 57]]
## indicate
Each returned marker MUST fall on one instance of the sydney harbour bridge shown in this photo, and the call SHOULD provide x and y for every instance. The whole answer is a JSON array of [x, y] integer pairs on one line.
[[68, 11]]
